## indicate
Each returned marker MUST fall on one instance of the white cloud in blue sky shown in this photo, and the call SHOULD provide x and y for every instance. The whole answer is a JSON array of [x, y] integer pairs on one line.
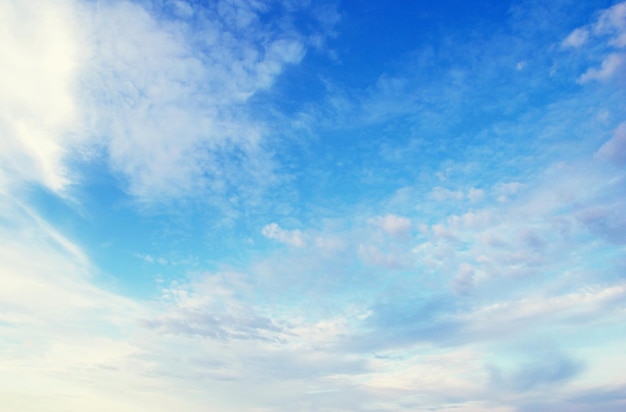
[[324, 206]]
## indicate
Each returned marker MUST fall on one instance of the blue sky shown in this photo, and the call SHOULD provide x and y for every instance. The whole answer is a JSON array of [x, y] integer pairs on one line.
[[246, 205]]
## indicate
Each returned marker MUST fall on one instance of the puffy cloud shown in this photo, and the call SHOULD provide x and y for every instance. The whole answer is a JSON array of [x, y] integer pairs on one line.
[[532, 235], [171, 95], [290, 237], [441, 194], [396, 226], [440, 231], [612, 64]]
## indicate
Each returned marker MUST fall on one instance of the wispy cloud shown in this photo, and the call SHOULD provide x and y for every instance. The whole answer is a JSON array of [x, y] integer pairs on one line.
[[170, 94], [608, 32]]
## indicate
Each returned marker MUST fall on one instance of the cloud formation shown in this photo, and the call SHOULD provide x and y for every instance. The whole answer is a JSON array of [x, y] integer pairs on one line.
[[290, 237], [161, 93], [445, 227], [610, 30], [171, 94]]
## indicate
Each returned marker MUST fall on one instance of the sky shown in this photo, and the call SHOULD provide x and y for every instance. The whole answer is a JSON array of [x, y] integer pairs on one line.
[[279, 205]]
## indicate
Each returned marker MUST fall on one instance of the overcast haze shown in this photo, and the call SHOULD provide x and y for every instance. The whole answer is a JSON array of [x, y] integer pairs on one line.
[[247, 205]]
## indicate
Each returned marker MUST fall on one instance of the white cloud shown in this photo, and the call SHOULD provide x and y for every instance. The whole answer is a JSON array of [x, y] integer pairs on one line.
[[612, 22], [164, 100], [39, 63], [72, 344], [441, 194], [330, 245], [530, 309], [447, 373], [393, 225], [534, 233], [172, 98], [233, 343], [509, 188], [394, 259], [614, 150], [472, 220], [576, 38], [612, 64], [290, 237], [64, 340], [505, 190], [475, 195], [441, 232]]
